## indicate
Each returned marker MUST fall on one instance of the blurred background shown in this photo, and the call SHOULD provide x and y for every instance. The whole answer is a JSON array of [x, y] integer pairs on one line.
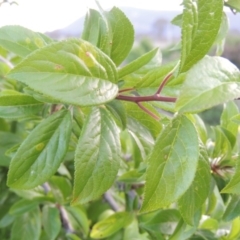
[[151, 20]]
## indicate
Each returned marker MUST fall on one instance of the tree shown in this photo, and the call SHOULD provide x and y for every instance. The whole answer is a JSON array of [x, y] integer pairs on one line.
[[91, 149]]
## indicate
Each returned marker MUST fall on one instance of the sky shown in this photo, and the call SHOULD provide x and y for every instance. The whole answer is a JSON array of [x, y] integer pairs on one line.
[[49, 15]]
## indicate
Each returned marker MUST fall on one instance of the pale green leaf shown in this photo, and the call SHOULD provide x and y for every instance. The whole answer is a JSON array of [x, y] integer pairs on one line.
[[27, 226], [97, 156], [235, 4], [172, 164], [212, 81], [137, 63], [18, 106], [193, 199], [41, 153], [230, 110], [71, 71], [110, 225], [51, 221], [200, 25], [22, 41]]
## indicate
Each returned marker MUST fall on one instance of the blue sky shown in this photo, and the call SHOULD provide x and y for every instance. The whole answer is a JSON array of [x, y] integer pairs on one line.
[[48, 15]]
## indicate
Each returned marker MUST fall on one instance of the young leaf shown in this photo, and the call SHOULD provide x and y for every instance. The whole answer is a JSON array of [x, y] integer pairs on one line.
[[234, 185], [113, 33], [71, 71], [51, 221], [138, 63], [18, 106], [195, 196], [110, 225], [27, 226], [97, 31], [97, 156], [235, 4], [172, 164], [233, 209], [197, 94], [122, 35], [200, 25], [230, 110], [22, 41], [43, 150]]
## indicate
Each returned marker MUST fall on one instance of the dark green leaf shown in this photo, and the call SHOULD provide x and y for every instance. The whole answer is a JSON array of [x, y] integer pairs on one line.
[[27, 226], [110, 225], [43, 150], [197, 94], [71, 71], [51, 221], [22, 41], [18, 106], [200, 25], [172, 164], [195, 196], [97, 156]]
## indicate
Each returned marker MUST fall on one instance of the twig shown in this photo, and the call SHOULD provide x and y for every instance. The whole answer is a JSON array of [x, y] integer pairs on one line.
[[110, 200], [6, 61], [65, 220], [165, 80], [148, 111]]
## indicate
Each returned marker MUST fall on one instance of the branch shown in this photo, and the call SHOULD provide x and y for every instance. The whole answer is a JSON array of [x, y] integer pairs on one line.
[[110, 200], [65, 220]]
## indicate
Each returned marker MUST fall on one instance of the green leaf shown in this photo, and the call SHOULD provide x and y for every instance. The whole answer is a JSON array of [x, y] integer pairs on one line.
[[178, 20], [235, 4], [118, 111], [97, 156], [111, 31], [197, 94], [110, 225], [71, 71], [193, 199], [61, 188], [222, 33], [230, 110], [22, 206], [234, 184], [136, 113], [97, 31], [51, 221], [233, 209], [235, 230], [6, 220], [154, 77], [172, 164], [27, 226], [81, 218], [200, 25], [18, 106], [43, 150], [122, 35], [138, 63], [22, 41]]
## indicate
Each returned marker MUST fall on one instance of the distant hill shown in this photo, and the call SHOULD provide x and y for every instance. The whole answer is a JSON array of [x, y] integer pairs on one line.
[[146, 23]]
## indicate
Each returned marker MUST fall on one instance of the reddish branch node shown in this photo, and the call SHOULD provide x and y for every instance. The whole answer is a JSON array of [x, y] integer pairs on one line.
[[154, 97]]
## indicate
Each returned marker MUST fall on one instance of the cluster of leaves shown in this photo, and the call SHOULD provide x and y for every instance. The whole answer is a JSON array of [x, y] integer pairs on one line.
[[91, 148]]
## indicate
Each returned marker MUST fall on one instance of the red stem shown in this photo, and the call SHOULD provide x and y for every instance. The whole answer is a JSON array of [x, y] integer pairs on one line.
[[148, 111], [165, 80]]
